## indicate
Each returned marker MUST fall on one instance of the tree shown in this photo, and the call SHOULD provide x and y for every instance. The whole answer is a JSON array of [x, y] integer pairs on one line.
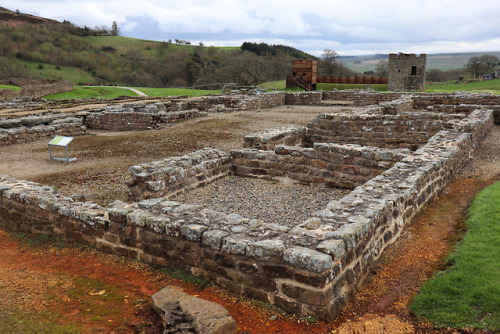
[[382, 68], [435, 75], [329, 61], [477, 66], [114, 29]]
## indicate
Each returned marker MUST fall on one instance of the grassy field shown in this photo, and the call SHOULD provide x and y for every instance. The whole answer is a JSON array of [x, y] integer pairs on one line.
[[468, 293], [14, 88], [476, 87], [175, 91], [82, 92], [281, 85]]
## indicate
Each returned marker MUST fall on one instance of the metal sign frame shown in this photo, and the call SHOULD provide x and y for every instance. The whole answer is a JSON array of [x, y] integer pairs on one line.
[[61, 141]]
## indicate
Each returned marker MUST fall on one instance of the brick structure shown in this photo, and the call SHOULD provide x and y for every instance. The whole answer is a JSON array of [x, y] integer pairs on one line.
[[406, 72]]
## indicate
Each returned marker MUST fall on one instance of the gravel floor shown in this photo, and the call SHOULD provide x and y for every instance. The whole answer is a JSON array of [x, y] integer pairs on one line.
[[273, 202]]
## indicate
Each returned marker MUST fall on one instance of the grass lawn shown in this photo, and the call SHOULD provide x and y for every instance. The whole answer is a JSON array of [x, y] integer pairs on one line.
[[281, 85], [476, 87], [468, 293], [14, 88], [175, 91], [82, 92]]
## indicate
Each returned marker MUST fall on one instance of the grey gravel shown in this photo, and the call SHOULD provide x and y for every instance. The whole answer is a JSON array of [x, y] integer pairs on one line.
[[272, 202]]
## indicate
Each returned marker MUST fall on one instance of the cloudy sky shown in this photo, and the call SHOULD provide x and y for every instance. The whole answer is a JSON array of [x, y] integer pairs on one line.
[[349, 27]]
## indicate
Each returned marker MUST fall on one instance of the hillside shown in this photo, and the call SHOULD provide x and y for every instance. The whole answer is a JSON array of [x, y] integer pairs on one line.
[[440, 61], [35, 47]]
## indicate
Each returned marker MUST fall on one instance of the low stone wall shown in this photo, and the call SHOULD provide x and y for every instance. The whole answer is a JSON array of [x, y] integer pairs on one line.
[[266, 140], [405, 130], [170, 177], [345, 166], [313, 268], [465, 109], [29, 129], [120, 121], [361, 98], [305, 98]]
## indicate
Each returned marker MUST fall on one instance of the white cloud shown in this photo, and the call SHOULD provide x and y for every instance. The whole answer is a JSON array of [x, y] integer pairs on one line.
[[362, 26]]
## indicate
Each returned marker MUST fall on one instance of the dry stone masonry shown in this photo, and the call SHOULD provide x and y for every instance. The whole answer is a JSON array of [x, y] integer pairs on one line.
[[395, 160]]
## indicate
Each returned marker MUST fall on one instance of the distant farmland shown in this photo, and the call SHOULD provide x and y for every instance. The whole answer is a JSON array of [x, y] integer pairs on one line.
[[442, 61]]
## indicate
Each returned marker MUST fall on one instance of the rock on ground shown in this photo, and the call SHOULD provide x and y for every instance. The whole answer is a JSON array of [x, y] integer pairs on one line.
[[183, 313]]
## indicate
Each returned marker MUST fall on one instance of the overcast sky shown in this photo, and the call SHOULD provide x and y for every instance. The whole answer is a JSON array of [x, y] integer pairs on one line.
[[349, 27]]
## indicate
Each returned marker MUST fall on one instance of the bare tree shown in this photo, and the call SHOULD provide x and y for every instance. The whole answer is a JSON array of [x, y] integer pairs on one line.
[[382, 68], [329, 61], [478, 66]]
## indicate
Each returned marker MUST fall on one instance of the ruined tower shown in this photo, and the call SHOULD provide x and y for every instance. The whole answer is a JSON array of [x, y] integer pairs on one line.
[[406, 72]]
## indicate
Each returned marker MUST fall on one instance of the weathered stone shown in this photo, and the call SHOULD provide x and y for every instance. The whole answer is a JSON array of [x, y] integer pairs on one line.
[[305, 258], [207, 317]]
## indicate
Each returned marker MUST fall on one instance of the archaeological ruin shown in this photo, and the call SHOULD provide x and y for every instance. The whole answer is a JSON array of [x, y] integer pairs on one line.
[[395, 153]]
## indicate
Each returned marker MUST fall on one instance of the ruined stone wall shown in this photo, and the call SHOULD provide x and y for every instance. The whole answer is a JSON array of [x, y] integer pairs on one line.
[[172, 176], [313, 268], [303, 98], [361, 98], [406, 130], [120, 121], [29, 129], [266, 140], [345, 166]]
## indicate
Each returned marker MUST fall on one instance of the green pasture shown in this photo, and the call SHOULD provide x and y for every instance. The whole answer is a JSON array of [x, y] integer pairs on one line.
[[485, 86], [84, 92], [14, 88], [175, 91], [468, 293]]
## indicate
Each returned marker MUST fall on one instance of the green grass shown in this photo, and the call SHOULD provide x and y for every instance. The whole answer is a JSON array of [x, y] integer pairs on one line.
[[468, 293], [82, 92], [185, 277], [477, 87], [281, 85], [54, 72], [175, 91], [14, 88], [328, 86]]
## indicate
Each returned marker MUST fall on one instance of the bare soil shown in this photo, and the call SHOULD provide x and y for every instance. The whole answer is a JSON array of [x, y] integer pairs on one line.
[[99, 293]]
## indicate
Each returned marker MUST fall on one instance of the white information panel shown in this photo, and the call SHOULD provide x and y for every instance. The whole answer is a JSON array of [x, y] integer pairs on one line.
[[61, 141]]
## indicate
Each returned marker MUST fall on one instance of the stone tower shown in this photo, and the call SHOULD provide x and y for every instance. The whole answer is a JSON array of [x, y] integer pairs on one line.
[[406, 72]]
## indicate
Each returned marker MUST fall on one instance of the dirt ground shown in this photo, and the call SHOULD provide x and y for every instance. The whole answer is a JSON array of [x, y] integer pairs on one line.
[[99, 293]]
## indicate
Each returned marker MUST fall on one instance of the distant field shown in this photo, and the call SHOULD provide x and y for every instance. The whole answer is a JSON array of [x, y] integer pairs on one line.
[[175, 91], [83, 92], [14, 88], [485, 86], [441, 61], [281, 85]]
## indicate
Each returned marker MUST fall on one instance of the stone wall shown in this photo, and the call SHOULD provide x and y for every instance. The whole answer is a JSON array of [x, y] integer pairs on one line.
[[361, 98], [405, 130], [120, 121], [345, 166], [172, 176], [406, 72], [313, 268], [266, 140], [305, 98], [29, 129]]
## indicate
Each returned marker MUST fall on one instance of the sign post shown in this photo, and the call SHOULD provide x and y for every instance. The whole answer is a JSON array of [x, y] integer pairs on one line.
[[61, 141]]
